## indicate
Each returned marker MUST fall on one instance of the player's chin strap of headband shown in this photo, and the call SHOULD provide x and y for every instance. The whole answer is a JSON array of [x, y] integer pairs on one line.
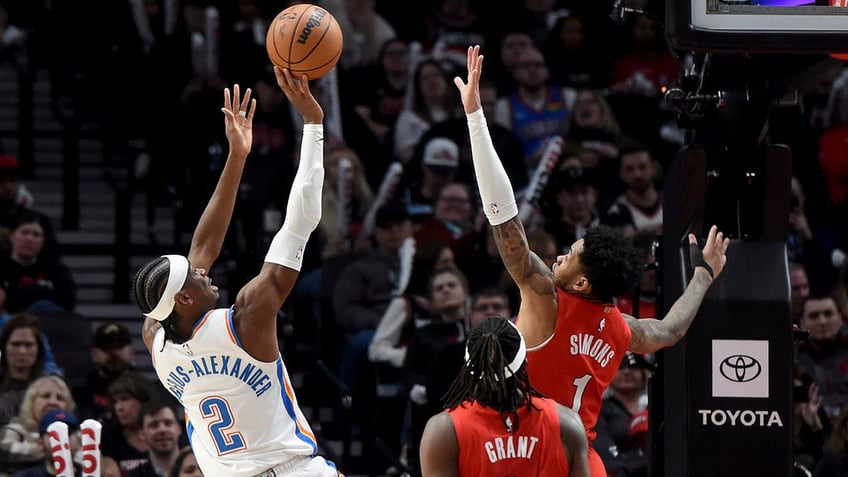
[[516, 362], [176, 279]]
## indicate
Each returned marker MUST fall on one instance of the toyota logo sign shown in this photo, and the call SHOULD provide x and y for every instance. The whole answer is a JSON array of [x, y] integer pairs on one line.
[[740, 368]]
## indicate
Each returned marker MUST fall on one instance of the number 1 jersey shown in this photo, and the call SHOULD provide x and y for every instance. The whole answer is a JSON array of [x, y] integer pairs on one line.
[[576, 365]]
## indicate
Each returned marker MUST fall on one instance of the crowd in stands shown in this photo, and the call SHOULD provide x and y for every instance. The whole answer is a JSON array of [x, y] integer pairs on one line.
[[396, 277]]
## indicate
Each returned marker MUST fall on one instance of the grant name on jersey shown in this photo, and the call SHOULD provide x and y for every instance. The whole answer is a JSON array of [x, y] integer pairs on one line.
[[518, 447], [591, 346], [218, 365]]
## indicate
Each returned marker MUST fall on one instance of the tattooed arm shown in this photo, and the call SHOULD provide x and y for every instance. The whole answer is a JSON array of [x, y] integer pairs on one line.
[[538, 309], [649, 335], [537, 315]]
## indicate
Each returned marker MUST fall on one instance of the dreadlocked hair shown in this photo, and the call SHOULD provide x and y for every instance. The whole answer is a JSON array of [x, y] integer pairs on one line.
[[611, 262], [148, 285], [483, 377]]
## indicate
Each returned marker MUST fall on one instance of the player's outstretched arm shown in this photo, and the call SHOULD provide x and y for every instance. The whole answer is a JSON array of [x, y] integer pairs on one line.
[[439, 447], [649, 335], [260, 299], [574, 440], [537, 316], [212, 227]]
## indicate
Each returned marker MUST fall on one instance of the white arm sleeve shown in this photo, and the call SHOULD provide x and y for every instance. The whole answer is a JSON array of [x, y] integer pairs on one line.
[[303, 211], [495, 188]]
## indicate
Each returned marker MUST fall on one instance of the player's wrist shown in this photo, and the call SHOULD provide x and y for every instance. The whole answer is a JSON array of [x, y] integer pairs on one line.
[[706, 268]]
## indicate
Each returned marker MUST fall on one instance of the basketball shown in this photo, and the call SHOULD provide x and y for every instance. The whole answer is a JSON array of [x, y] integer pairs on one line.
[[306, 39]]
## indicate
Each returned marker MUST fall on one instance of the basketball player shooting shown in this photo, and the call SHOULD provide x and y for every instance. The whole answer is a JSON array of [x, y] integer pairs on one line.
[[576, 337], [224, 364]]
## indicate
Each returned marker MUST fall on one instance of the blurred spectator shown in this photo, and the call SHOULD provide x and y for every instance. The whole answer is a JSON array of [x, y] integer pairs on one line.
[[538, 110], [431, 100], [452, 220], [825, 351], [647, 66], [451, 26], [835, 460], [544, 245], [380, 104], [243, 52], [365, 32], [21, 362], [45, 468], [813, 245], [513, 44], [185, 465], [811, 425], [447, 363], [109, 468], [449, 301], [507, 144], [639, 208], [361, 295], [536, 17], [112, 354], [593, 133], [32, 281], [160, 431], [408, 311], [20, 445], [569, 203], [833, 158], [642, 302], [799, 289], [626, 397], [841, 291], [336, 241], [571, 61], [485, 269], [15, 200], [412, 309], [366, 286], [50, 366], [11, 189], [122, 437], [438, 168]]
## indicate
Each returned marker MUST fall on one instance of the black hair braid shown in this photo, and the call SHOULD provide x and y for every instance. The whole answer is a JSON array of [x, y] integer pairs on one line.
[[148, 286], [491, 346]]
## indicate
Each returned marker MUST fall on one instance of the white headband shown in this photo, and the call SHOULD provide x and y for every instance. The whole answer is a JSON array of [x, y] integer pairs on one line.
[[516, 363], [176, 279]]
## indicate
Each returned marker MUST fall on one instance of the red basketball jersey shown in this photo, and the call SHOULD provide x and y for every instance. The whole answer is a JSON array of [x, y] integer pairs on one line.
[[575, 366], [489, 445]]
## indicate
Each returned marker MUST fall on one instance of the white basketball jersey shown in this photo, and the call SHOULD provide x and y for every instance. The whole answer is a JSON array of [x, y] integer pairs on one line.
[[242, 416]]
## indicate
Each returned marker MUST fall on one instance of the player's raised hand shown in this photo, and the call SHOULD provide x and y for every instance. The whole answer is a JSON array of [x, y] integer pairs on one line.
[[297, 91], [470, 89], [238, 120], [713, 255]]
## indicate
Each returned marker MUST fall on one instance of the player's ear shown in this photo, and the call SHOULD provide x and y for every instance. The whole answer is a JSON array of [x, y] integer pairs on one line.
[[183, 298], [583, 285]]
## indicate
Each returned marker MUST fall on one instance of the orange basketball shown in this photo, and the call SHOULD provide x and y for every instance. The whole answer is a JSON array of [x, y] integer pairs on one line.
[[306, 39]]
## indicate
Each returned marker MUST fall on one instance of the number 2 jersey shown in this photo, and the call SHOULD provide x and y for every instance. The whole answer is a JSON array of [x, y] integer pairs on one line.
[[576, 365], [488, 444], [242, 417]]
